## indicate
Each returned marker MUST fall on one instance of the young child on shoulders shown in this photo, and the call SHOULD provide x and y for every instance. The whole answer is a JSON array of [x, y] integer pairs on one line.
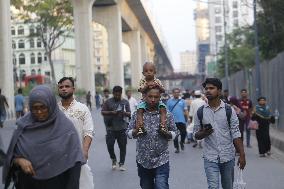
[[149, 81]]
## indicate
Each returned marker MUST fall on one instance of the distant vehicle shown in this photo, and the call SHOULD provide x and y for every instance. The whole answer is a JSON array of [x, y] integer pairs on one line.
[[32, 80]]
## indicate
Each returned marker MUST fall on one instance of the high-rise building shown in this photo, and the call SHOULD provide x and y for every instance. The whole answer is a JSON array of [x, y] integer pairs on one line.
[[202, 33], [232, 13], [188, 62]]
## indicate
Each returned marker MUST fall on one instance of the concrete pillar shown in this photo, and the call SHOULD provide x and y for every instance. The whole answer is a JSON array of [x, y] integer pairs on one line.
[[84, 44], [110, 17], [132, 38], [6, 65], [143, 50]]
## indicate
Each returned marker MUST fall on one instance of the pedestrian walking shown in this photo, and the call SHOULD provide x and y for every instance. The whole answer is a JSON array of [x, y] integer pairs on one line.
[[225, 96], [45, 151], [115, 111], [178, 107], [152, 154], [262, 115], [217, 123], [19, 103], [106, 96], [234, 102], [132, 101], [246, 105], [81, 117], [3, 105], [195, 104], [88, 100], [98, 100], [150, 80]]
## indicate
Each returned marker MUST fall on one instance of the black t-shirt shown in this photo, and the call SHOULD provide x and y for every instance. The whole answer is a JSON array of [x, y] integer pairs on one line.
[[2, 102], [116, 122]]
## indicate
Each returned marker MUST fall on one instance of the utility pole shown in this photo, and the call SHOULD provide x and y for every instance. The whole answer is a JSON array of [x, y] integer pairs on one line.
[[257, 63], [226, 47]]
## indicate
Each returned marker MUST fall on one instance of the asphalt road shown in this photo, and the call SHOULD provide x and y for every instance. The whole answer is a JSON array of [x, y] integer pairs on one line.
[[186, 168]]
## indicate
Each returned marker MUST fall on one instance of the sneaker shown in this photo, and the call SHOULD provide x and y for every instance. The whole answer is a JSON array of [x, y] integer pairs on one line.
[[177, 151], [261, 155], [268, 153], [113, 164], [194, 145], [122, 168]]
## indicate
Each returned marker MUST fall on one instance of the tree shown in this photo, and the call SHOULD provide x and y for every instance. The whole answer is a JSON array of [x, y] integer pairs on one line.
[[271, 28], [240, 51], [270, 21], [54, 22]]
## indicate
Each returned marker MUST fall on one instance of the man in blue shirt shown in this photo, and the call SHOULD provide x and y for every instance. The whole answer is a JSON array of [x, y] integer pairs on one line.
[[178, 108], [19, 103]]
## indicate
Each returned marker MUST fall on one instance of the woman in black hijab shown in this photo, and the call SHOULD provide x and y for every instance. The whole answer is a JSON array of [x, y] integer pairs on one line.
[[45, 151]]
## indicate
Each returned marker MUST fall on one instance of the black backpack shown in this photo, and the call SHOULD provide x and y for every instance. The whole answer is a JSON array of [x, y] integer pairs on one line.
[[228, 114]]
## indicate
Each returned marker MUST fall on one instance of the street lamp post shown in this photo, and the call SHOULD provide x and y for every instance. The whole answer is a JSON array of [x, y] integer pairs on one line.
[[257, 63], [226, 48]]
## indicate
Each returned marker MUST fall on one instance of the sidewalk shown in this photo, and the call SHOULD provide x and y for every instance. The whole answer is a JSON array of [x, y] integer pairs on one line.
[[277, 141]]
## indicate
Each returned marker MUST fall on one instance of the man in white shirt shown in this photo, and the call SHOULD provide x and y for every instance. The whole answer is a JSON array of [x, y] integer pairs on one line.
[[132, 101], [81, 117], [195, 104]]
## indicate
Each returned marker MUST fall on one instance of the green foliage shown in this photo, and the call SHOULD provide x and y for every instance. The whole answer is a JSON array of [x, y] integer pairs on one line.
[[53, 19], [240, 51], [270, 21], [271, 28]]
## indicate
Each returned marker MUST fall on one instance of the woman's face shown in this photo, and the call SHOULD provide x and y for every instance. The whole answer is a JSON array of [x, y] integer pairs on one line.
[[39, 111]]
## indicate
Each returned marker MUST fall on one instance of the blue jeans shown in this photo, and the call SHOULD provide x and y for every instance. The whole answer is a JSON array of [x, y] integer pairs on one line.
[[156, 178], [2, 116], [213, 170]]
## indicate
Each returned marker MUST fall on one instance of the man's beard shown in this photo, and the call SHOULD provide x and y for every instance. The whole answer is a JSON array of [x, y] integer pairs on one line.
[[210, 97], [67, 96]]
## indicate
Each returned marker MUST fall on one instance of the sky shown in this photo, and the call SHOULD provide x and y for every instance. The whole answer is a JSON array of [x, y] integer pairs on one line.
[[175, 19]]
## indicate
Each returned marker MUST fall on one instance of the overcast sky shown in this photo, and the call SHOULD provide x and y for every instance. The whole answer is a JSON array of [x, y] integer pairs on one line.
[[175, 18]]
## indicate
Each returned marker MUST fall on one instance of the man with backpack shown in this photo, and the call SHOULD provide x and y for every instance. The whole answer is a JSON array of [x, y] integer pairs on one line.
[[178, 108], [217, 123]]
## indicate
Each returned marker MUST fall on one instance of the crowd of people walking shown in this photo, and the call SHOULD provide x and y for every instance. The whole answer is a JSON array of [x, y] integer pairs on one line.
[[213, 120]]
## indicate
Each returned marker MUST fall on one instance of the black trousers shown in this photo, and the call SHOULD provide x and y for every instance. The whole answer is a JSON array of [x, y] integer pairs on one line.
[[182, 129], [263, 139], [121, 138], [66, 180]]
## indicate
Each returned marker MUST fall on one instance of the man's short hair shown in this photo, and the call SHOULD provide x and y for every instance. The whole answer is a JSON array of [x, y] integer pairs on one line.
[[226, 91], [117, 89], [106, 91], [20, 90], [149, 88], [67, 78], [175, 89], [261, 98], [244, 90], [213, 81]]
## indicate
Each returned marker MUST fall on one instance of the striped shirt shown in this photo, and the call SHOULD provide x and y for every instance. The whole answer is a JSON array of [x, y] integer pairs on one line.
[[218, 147]]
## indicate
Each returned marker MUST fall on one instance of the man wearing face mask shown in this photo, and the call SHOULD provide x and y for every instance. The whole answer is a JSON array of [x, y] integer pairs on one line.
[[115, 111], [221, 136]]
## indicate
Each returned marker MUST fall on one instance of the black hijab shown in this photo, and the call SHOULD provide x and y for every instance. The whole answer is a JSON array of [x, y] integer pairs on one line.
[[52, 146]]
